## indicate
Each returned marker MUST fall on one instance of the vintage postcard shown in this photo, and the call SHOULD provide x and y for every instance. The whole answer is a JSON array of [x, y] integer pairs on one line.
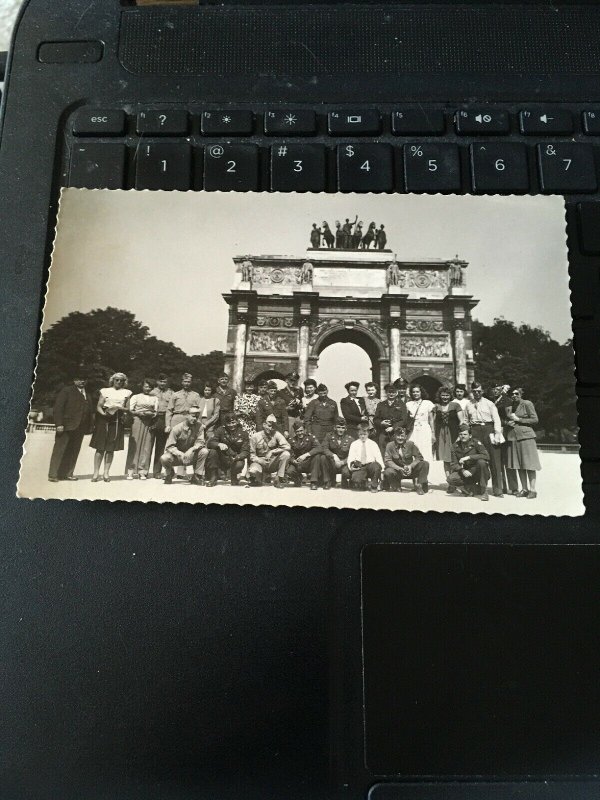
[[361, 351]]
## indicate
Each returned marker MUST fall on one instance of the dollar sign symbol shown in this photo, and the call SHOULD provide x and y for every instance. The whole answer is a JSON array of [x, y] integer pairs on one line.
[[349, 150]]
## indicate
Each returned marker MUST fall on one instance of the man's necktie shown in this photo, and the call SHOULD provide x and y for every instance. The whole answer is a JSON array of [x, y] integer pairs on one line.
[[363, 453]]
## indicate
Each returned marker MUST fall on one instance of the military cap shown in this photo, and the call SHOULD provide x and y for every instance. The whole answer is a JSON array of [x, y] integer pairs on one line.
[[389, 387], [272, 418], [297, 424], [271, 385], [194, 410], [340, 421], [322, 388], [292, 376], [463, 427]]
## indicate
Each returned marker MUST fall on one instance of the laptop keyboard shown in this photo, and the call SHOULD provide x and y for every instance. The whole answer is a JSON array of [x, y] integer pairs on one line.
[[485, 149]]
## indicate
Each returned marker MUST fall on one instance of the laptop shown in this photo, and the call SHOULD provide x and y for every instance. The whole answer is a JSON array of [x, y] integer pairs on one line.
[[162, 650]]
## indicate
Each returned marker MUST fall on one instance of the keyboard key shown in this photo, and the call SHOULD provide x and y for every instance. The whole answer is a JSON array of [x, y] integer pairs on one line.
[[163, 165], [480, 121], [431, 168], [297, 168], [589, 227], [354, 123], [290, 123], [99, 122], [591, 122], [499, 167], [428, 122], [231, 167], [566, 167], [365, 168], [97, 165], [227, 123], [548, 121], [163, 123]]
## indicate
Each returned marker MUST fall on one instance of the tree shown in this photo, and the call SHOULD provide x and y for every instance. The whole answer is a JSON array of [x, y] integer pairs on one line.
[[531, 358], [111, 340]]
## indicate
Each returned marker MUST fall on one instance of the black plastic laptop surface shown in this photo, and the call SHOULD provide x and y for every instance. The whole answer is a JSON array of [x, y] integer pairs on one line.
[[162, 651]]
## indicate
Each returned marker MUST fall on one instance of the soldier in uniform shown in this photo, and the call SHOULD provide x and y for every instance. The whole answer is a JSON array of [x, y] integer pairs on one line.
[[181, 402], [269, 453], [305, 452], [388, 413], [335, 455], [292, 396], [229, 449], [469, 467], [225, 395], [186, 446], [321, 414], [403, 459], [273, 405]]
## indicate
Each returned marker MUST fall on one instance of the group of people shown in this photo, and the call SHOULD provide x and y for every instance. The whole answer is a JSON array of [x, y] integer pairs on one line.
[[348, 235], [295, 435]]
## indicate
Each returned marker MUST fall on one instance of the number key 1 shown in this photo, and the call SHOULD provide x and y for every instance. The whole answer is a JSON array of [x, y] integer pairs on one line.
[[163, 165], [499, 167]]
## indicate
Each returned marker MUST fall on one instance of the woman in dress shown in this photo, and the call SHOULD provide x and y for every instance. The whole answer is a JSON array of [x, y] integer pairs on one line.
[[244, 406], [522, 453], [371, 403], [108, 436], [210, 410], [143, 407], [420, 411], [461, 396], [447, 416]]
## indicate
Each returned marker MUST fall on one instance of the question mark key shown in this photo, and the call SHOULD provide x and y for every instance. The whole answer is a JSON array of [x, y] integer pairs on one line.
[[162, 122]]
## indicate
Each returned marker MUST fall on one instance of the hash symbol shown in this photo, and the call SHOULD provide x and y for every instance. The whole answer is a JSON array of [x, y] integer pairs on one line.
[[282, 151]]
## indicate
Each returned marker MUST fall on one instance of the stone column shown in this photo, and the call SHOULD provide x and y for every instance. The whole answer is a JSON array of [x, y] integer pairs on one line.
[[460, 356], [239, 355], [394, 353], [303, 349]]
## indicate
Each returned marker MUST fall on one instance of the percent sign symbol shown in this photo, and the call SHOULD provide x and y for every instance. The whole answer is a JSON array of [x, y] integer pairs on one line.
[[416, 151]]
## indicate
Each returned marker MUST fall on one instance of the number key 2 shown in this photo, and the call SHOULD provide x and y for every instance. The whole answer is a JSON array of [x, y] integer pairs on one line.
[[297, 168], [231, 168], [499, 167], [365, 168], [567, 167], [431, 168]]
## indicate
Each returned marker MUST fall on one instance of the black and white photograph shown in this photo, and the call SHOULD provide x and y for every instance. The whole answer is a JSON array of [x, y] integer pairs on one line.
[[342, 350]]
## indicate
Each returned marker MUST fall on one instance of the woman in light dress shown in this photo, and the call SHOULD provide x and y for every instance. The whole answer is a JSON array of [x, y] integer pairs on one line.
[[143, 407], [108, 436], [420, 410], [448, 415]]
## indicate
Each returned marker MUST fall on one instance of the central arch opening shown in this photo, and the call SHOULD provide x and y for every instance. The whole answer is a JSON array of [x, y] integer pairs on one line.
[[342, 362], [345, 355]]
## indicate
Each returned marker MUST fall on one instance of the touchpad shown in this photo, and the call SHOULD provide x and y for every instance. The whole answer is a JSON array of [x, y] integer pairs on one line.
[[481, 660]]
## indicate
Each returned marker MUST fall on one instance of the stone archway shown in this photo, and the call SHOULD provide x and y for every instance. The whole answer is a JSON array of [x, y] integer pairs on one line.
[[429, 383], [361, 336]]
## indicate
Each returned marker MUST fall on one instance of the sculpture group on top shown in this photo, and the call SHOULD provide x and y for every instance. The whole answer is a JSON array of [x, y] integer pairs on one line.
[[348, 235]]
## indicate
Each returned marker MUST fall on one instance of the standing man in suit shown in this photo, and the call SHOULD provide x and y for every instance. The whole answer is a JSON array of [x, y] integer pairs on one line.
[[353, 409], [73, 414]]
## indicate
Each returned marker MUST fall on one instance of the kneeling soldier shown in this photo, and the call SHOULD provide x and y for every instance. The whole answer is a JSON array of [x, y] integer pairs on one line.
[[304, 456], [186, 447], [269, 452], [469, 467], [229, 449], [334, 456], [364, 460], [404, 460]]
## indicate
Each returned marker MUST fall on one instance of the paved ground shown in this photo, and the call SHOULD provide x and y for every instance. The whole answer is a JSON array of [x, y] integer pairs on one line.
[[559, 490]]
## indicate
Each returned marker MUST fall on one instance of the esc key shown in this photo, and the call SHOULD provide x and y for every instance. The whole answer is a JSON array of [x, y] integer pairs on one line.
[[99, 122]]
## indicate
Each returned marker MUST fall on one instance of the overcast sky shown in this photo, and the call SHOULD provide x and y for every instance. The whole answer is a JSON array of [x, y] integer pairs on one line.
[[167, 256]]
